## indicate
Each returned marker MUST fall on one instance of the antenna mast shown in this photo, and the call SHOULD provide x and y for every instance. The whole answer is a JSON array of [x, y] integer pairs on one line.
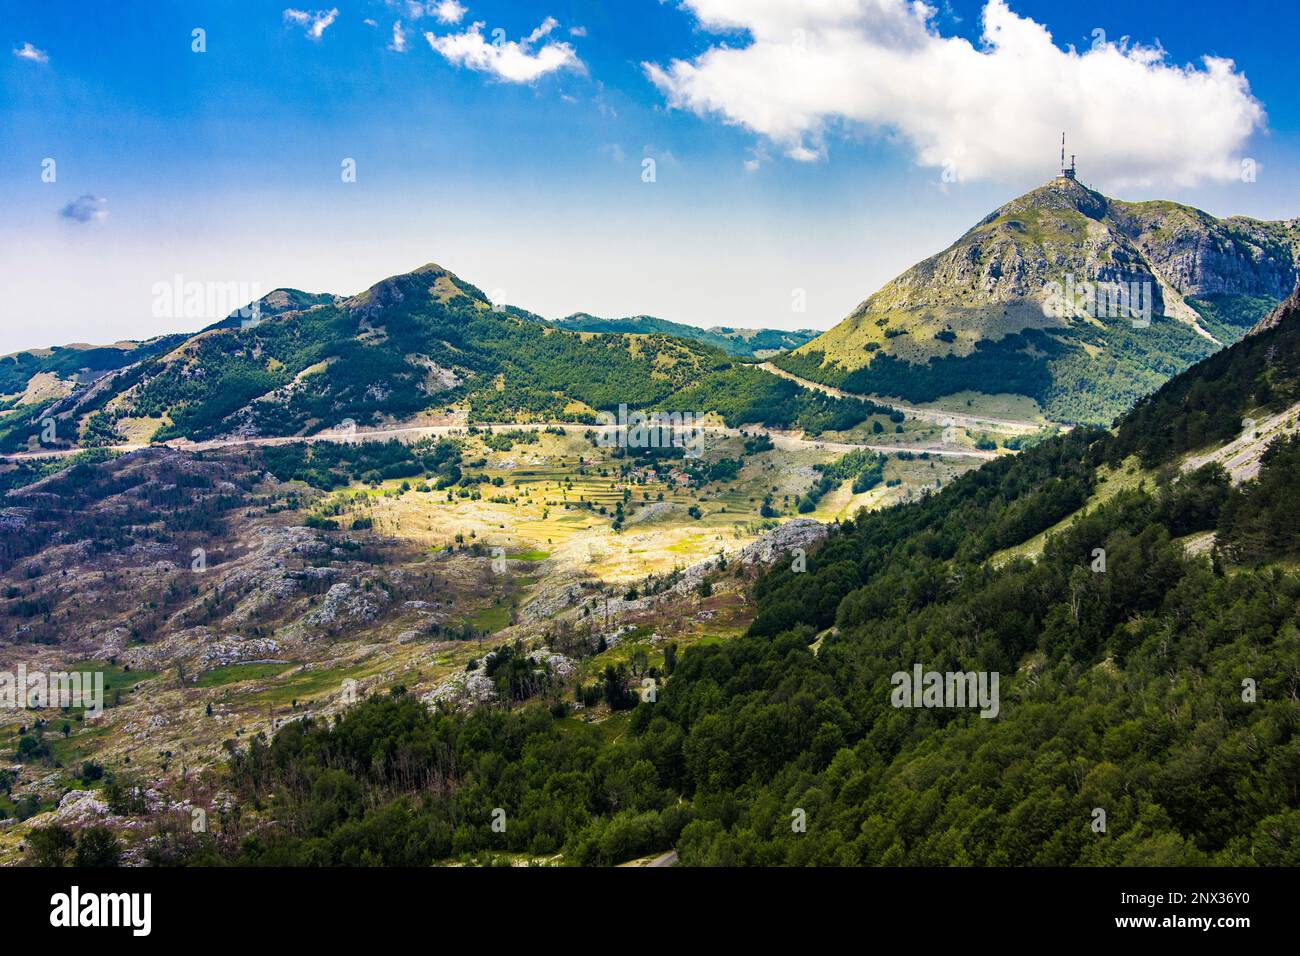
[[1067, 172]]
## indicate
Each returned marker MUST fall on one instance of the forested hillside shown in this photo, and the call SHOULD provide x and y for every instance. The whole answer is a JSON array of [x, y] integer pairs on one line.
[[33, 381], [424, 342], [1158, 688], [742, 343]]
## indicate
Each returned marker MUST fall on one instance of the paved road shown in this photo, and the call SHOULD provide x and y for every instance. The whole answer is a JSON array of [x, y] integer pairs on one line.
[[783, 440], [938, 416]]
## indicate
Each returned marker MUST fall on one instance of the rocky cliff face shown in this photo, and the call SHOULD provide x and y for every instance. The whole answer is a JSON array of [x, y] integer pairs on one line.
[[1199, 255]]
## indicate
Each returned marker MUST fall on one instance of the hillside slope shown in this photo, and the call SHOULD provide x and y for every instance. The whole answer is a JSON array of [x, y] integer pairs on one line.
[[1005, 308], [425, 344], [742, 343], [34, 380], [1145, 712]]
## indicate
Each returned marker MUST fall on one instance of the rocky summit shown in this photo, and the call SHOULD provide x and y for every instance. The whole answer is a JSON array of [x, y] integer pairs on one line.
[[1071, 299]]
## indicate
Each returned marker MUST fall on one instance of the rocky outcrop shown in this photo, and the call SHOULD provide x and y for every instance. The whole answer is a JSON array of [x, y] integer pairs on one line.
[[348, 603], [1289, 310], [238, 650]]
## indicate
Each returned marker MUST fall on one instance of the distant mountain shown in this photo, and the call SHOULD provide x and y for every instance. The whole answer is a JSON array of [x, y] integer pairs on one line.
[[277, 303], [36, 378], [1004, 309], [743, 343], [425, 343], [73, 365]]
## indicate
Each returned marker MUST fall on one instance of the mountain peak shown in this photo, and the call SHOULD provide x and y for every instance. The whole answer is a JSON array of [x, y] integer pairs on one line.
[[1060, 194], [429, 267], [429, 280], [1052, 288], [276, 302]]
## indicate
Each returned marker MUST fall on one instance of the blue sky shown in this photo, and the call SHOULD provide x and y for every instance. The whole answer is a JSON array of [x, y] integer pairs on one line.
[[518, 163]]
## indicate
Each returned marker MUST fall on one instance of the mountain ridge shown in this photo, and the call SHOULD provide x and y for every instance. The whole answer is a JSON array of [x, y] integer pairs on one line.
[[740, 342], [422, 345], [978, 312]]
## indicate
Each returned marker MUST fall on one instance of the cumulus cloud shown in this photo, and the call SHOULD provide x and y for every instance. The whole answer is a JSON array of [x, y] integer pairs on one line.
[[85, 209], [29, 52], [449, 11], [509, 60], [313, 22], [808, 67], [399, 38]]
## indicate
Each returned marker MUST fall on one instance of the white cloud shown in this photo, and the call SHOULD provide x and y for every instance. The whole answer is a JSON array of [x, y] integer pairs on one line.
[[449, 11], [577, 31], [992, 112], [29, 52], [509, 60], [445, 11], [545, 27], [399, 38], [314, 23]]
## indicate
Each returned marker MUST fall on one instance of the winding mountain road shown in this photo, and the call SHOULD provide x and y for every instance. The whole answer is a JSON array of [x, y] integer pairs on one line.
[[938, 416], [788, 441]]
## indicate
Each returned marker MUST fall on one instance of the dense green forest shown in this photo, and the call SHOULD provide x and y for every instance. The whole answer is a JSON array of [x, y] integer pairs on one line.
[[331, 465], [1072, 383], [1157, 687], [1260, 374], [745, 395], [1230, 316], [1120, 365]]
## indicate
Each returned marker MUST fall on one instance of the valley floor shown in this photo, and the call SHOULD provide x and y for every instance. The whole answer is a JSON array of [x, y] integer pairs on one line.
[[289, 619]]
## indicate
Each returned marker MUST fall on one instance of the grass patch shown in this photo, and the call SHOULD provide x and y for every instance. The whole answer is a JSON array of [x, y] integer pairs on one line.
[[305, 684], [491, 619], [233, 673], [69, 752], [117, 678]]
